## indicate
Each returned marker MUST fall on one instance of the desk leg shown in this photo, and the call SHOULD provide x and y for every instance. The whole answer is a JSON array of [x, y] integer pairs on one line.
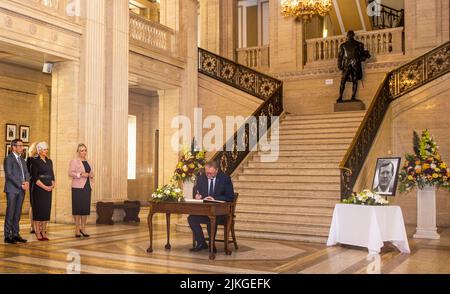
[[212, 234], [226, 236], [150, 231], [168, 231]]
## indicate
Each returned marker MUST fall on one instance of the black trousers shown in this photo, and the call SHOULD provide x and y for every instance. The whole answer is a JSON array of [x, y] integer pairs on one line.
[[195, 222], [14, 202]]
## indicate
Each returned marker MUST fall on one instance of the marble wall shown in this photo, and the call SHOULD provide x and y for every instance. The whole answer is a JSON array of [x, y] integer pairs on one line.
[[24, 100], [145, 107], [221, 100]]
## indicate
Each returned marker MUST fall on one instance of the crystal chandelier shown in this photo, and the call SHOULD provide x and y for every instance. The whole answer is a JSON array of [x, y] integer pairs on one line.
[[305, 9]]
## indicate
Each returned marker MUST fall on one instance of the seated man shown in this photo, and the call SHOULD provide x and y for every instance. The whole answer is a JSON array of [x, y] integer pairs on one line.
[[213, 185]]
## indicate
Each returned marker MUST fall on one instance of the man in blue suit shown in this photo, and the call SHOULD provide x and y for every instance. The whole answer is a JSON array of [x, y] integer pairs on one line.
[[212, 185], [17, 181]]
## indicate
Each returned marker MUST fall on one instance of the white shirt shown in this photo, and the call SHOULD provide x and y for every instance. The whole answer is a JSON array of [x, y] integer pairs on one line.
[[214, 185], [18, 159]]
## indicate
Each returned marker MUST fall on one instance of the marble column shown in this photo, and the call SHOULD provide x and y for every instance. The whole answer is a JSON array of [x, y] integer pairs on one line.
[[169, 104], [169, 13], [427, 25], [116, 100], [92, 106], [210, 25], [228, 27], [64, 134]]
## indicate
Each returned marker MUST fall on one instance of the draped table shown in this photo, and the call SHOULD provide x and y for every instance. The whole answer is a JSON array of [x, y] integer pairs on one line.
[[368, 226]]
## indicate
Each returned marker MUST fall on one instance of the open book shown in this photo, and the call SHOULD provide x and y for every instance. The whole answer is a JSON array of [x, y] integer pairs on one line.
[[203, 201]]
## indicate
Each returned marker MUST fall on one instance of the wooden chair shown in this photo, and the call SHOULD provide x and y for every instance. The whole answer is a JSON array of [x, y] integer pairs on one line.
[[233, 216]]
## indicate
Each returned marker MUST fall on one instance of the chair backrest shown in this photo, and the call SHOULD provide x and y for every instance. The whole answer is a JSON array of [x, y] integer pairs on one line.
[[233, 205]]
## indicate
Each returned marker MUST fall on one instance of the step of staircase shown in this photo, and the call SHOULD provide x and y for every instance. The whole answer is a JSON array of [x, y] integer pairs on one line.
[[276, 193], [300, 158], [289, 180], [335, 141], [305, 153], [287, 166], [293, 209], [272, 200], [347, 114], [299, 135], [331, 120], [313, 218], [288, 186], [289, 171], [330, 126]]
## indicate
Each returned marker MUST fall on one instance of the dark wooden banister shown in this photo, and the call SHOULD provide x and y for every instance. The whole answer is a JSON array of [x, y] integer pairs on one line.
[[257, 84], [396, 83]]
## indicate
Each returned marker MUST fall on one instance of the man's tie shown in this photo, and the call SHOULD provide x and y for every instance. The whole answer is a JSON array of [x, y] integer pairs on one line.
[[21, 168], [211, 187]]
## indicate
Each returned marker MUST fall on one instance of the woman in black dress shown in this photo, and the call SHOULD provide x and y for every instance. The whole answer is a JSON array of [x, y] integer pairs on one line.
[[44, 183], [81, 171]]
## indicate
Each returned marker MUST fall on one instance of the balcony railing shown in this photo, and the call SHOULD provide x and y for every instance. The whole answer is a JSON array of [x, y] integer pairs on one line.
[[254, 57], [379, 43], [149, 34]]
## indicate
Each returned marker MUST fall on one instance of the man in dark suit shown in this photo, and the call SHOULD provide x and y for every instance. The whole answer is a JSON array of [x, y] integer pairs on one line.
[[17, 179], [212, 185]]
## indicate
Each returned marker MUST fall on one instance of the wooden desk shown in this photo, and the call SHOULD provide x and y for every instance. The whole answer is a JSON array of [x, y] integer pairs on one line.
[[208, 209]]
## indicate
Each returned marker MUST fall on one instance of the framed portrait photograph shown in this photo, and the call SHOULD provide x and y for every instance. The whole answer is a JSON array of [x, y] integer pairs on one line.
[[26, 148], [10, 132], [24, 134], [7, 149], [386, 176]]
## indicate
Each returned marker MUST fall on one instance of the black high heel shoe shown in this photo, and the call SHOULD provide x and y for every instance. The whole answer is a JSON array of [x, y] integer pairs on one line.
[[77, 236], [84, 234]]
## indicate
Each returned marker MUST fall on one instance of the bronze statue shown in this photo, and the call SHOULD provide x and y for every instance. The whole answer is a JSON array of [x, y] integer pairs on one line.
[[351, 55]]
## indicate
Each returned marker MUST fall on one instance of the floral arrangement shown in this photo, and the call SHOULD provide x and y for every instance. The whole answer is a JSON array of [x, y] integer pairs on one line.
[[168, 193], [191, 162], [425, 167], [366, 197]]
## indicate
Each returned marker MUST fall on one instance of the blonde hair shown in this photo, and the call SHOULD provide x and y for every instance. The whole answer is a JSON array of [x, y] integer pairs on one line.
[[41, 146], [32, 151], [81, 145]]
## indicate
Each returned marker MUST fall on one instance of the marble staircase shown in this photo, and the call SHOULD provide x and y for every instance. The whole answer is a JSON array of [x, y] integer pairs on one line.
[[293, 198]]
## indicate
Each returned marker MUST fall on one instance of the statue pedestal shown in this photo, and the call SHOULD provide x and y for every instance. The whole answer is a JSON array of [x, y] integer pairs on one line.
[[426, 214], [349, 106]]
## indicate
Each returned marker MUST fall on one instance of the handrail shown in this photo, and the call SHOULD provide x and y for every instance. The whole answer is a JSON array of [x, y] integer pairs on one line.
[[254, 83], [396, 83], [389, 17]]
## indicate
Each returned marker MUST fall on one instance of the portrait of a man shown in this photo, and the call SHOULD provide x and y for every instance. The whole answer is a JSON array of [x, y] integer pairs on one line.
[[386, 176]]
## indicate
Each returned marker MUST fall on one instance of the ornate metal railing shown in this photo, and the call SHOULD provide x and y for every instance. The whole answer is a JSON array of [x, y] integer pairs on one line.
[[397, 83], [254, 83]]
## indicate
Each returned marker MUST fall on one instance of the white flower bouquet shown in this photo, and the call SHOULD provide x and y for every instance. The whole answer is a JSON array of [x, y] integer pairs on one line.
[[168, 193], [366, 197]]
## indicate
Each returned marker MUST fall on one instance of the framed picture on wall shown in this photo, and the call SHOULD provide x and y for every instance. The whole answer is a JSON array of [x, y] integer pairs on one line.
[[25, 151], [24, 134], [386, 176], [10, 132], [7, 149]]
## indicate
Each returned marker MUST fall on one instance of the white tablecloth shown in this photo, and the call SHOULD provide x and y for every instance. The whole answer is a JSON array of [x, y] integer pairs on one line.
[[368, 226]]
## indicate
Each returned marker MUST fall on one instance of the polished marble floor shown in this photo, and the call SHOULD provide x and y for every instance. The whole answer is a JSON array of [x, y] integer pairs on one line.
[[121, 249]]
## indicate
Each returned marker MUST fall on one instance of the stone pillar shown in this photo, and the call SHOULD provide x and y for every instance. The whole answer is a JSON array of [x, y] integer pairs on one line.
[[169, 13], [188, 35], [210, 25], [286, 41], [426, 25], [64, 134], [116, 102], [228, 26], [169, 104], [92, 107]]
